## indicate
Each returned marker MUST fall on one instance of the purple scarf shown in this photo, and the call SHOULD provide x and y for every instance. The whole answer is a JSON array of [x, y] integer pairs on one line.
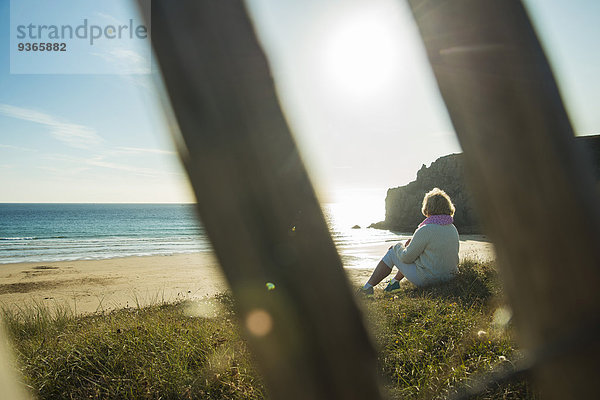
[[441, 219]]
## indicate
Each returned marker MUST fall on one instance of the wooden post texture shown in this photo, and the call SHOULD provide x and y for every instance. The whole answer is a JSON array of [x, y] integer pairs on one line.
[[533, 190], [258, 206]]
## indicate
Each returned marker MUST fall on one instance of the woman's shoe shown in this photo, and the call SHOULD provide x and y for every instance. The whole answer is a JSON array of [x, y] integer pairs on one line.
[[392, 287]]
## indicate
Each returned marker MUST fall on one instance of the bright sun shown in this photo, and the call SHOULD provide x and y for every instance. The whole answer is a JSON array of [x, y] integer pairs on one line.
[[361, 54]]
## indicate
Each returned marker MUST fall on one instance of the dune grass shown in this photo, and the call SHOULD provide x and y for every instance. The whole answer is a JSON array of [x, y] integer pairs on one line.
[[430, 341], [163, 351], [434, 340]]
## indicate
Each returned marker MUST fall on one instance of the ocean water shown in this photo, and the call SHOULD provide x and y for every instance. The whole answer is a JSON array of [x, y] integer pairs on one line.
[[65, 232]]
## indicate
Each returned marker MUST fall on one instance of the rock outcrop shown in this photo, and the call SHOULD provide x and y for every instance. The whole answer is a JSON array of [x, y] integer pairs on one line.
[[403, 204]]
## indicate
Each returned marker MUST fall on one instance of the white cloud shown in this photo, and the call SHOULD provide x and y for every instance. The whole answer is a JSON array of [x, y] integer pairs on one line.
[[126, 60], [74, 135], [140, 150], [100, 161], [129, 56], [9, 146]]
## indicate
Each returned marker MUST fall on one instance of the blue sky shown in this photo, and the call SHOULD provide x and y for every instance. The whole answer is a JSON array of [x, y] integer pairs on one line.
[[362, 126], [83, 137]]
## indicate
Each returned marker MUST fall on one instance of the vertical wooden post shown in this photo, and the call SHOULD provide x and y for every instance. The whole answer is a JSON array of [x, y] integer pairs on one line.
[[10, 378], [258, 206], [534, 190]]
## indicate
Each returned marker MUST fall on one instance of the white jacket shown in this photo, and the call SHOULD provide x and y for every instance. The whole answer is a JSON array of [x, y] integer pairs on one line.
[[434, 250]]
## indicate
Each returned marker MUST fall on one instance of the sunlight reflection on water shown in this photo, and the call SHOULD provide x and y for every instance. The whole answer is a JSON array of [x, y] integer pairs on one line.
[[359, 248]]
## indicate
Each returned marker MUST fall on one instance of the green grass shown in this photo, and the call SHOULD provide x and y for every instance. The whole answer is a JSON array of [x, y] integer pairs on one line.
[[430, 341], [436, 339], [161, 351]]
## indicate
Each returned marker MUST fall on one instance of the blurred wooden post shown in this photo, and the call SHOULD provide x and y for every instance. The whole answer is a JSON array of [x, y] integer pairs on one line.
[[11, 380], [258, 205], [534, 191]]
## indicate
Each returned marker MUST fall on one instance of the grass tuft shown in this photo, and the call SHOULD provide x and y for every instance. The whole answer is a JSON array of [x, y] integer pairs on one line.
[[153, 352], [431, 341]]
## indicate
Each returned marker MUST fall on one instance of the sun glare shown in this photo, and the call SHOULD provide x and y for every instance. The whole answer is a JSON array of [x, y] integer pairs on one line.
[[361, 53], [351, 208]]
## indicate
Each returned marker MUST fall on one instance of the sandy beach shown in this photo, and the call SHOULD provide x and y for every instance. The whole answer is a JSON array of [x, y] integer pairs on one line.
[[102, 285], [89, 286]]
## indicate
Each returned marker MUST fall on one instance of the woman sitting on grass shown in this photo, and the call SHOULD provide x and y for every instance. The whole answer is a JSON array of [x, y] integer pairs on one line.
[[431, 256]]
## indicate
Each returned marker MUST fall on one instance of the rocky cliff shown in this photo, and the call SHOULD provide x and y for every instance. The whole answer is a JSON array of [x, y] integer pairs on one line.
[[403, 204]]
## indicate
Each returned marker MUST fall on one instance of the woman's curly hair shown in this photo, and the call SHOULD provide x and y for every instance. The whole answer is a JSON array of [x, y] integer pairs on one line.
[[437, 202]]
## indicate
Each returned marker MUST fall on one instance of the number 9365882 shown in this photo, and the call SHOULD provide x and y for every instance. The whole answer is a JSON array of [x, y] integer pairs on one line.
[[27, 46]]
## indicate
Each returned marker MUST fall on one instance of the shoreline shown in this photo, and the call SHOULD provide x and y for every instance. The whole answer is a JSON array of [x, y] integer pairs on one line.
[[109, 258], [88, 286]]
